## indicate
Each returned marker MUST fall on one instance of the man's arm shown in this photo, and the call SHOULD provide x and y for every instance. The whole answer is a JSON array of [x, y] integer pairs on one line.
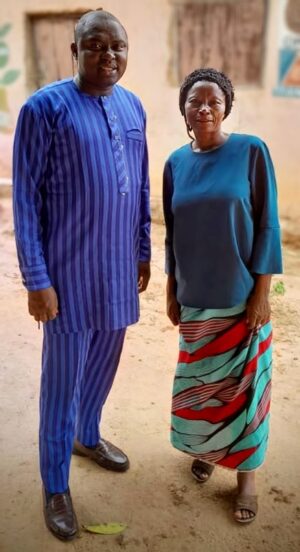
[[145, 227], [31, 146]]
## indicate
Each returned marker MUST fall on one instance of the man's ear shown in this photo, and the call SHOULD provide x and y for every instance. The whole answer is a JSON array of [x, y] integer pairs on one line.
[[74, 50]]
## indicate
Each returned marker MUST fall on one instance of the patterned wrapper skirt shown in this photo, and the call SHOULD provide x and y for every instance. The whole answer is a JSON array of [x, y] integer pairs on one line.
[[222, 387]]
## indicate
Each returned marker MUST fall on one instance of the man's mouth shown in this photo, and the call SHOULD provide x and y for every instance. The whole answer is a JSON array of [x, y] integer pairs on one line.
[[108, 67]]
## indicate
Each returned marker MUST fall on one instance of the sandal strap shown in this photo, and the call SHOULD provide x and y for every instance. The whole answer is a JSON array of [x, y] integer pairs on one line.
[[207, 468], [246, 502]]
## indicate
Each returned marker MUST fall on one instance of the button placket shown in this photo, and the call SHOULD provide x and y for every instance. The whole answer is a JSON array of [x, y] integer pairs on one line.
[[117, 147]]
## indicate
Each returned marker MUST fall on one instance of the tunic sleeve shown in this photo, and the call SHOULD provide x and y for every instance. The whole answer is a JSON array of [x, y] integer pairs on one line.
[[266, 255], [31, 145], [145, 217], [169, 219]]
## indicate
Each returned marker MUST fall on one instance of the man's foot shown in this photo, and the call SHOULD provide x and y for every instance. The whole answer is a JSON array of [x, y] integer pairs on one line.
[[245, 507], [105, 454], [201, 470], [59, 515]]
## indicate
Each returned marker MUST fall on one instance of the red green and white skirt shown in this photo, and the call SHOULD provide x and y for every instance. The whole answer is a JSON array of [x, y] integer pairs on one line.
[[222, 388]]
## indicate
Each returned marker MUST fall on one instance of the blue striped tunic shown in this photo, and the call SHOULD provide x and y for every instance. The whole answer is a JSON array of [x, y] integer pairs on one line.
[[81, 203]]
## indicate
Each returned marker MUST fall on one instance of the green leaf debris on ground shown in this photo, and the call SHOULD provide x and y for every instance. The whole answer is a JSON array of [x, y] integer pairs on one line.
[[279, 288], [105, 528]]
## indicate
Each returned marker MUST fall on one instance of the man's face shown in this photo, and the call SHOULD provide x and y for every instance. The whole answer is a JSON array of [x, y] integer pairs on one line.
[[101, 52]]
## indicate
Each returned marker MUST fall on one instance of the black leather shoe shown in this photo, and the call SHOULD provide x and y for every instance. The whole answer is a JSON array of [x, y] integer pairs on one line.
[[59, 515], [105, 454]]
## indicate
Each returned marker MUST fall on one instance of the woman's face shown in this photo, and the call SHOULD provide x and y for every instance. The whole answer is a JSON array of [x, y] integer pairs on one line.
[[205, 107]]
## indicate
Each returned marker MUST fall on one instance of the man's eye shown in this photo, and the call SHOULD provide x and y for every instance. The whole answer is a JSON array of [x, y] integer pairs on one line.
[[119, 46], [96, 46]]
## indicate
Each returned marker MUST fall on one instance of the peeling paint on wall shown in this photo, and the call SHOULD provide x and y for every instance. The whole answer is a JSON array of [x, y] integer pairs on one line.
[[7, 77], [289, 50]]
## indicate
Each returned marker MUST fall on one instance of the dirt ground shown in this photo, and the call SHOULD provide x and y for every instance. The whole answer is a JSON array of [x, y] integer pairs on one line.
[[164, 507]]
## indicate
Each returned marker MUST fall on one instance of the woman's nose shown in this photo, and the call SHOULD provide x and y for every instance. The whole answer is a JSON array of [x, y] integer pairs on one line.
[[204, 108]]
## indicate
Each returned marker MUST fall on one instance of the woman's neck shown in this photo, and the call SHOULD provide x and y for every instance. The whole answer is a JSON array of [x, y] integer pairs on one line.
[[205, 142]]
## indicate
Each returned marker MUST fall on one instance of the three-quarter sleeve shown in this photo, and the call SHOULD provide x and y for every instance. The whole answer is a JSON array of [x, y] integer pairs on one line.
[[169, 219], [266, 254], [31, 146]]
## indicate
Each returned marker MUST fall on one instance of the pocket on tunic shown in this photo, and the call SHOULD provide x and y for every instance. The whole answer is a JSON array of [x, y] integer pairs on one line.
[[135, 134]]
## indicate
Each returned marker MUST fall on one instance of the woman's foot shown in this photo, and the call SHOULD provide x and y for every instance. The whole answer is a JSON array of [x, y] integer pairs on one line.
[[201, 470], [245, 508]]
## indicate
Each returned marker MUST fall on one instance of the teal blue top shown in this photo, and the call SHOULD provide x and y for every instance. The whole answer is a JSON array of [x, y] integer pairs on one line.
[[222, 223]]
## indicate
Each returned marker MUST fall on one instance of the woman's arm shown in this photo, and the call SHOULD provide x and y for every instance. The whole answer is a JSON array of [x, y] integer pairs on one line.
[[266, 256], [173, 309]]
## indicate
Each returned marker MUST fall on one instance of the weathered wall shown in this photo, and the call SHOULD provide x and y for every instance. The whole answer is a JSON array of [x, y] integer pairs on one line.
[[148, 22]]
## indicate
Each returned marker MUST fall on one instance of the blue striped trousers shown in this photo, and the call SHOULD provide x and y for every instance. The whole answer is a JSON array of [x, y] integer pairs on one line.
[[78, 370]]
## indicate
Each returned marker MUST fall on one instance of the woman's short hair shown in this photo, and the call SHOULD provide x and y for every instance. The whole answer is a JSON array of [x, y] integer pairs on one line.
[[211, 75]]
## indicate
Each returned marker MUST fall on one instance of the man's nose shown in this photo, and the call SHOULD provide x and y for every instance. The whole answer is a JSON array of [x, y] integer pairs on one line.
[[108, 53]]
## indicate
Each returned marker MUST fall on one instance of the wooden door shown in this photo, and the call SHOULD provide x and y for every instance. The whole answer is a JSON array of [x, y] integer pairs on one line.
[[225, 34], [51, 36]]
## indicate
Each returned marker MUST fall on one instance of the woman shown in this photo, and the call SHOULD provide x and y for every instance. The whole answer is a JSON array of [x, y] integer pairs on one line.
[[222, 247]]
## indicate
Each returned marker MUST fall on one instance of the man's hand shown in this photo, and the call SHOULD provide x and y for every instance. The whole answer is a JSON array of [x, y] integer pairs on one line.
[[43, 304], [144, 274]]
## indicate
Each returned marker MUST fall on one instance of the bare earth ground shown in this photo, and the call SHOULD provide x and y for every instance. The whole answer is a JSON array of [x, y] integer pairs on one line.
[[164, 508]]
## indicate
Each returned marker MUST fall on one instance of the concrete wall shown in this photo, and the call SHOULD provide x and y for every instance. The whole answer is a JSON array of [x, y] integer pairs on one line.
[[148, 22]]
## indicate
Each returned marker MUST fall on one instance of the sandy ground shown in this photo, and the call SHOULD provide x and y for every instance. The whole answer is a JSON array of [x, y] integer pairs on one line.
[[164, 508]]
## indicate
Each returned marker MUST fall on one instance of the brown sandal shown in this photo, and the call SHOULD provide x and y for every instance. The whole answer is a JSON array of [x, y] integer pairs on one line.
[[246, 502], [200, 468]]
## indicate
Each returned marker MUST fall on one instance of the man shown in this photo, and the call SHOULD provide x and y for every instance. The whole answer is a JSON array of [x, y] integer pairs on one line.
[[81, 207]]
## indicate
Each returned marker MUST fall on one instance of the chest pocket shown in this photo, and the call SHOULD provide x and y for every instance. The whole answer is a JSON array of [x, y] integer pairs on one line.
[[135, 151], [135, 134]]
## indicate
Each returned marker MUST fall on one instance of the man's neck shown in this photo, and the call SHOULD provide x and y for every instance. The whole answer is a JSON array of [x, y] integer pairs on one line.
[[90, 88]]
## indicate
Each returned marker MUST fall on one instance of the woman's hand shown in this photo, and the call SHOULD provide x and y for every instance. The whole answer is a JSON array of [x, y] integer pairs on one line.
[[173, 309], [258, 307], [258, 311]]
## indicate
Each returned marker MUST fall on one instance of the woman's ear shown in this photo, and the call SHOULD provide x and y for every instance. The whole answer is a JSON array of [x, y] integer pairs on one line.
[[189, 128]]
